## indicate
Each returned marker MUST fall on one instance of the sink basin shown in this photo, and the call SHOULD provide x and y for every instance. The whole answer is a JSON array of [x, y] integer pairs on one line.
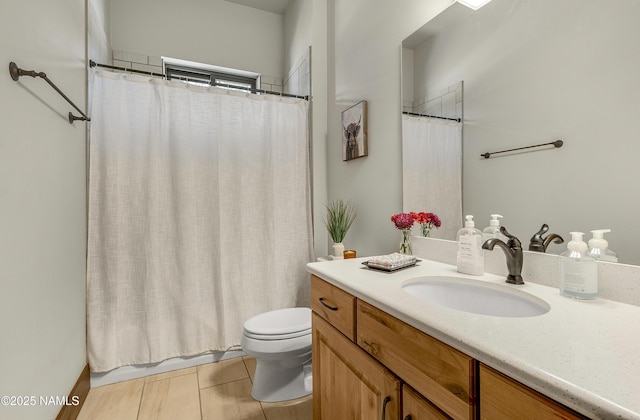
[[475, 296]]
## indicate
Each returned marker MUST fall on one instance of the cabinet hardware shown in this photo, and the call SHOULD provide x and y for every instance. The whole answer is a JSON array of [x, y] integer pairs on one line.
[[386, 401], [333, 308], [407, 417]]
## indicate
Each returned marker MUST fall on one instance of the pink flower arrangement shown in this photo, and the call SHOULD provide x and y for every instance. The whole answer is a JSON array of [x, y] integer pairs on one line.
[[403, 220], [427, 221]]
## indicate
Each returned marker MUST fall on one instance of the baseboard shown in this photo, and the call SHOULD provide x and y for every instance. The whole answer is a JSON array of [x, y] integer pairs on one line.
[[78, 393], [126, 373]]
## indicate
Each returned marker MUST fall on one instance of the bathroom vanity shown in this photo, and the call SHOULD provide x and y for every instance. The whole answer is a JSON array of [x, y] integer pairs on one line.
[[382, 353]]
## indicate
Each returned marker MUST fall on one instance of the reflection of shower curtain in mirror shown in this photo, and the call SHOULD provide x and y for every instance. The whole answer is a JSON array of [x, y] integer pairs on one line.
[[432, 171], [199, 216]]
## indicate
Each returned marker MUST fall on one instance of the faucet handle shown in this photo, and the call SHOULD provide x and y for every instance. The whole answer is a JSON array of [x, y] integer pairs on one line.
[[540, 244], [543, 229], [513, 241], [537, 243]]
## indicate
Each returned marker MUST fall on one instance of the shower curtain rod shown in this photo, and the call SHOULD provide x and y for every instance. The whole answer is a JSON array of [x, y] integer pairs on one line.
[[107, 66], [223, 85], [432, 116], [16, 72]]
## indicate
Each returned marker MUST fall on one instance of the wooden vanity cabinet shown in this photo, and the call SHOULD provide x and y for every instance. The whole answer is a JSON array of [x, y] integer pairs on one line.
[[503, 398], [442, 374], [415, 407], [369, 365], [347, 382]]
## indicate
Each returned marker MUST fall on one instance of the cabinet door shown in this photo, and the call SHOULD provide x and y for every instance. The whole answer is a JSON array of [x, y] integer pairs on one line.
[[415, 407], [503, 398], [347, 382]]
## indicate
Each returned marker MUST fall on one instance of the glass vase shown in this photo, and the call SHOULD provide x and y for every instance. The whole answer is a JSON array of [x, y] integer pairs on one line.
[[405, 245], [425, 230]]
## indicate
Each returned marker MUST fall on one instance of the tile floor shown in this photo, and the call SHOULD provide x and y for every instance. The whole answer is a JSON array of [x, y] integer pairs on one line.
[[215, 391]]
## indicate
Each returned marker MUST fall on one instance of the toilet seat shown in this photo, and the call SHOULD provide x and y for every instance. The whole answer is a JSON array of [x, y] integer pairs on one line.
[[281, 324]]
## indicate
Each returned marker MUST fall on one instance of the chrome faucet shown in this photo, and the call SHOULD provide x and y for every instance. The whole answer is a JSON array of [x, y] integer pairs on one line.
[[513, 250], [540, 244]]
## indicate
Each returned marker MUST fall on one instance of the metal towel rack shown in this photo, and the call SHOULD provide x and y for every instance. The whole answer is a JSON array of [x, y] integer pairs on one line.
[[16, 72], [431, 116], [557, 143]]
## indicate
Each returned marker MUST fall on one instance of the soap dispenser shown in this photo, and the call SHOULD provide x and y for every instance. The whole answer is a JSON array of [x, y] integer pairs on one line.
[[578, 271], [470, 258], [493, 230], [599, 247]]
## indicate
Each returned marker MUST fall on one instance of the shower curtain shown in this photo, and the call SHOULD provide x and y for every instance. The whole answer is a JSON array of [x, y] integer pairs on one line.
[[199, 216], [432, 171]]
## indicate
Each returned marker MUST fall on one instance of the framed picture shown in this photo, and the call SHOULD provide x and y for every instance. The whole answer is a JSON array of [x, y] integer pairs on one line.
[[354, 131]]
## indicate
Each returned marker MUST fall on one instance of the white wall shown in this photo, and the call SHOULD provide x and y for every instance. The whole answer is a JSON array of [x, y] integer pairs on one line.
[[407, 80], [298, 31], [364, 54], [42, 216], [98, 31], [298, 25], [206, 31], [306, 25], [534, 73]]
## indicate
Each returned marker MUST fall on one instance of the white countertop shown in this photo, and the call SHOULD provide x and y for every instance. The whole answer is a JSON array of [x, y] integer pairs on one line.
[[583, 354]]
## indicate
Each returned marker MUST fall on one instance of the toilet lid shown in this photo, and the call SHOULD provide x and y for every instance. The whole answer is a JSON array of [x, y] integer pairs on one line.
[[271, 337], [280, 322]]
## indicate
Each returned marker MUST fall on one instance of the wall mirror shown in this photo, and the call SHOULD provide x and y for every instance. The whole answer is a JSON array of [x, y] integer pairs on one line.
[[432, 155], [535, 71]]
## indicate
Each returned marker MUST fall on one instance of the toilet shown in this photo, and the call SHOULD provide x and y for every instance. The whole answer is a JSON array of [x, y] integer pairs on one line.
[[280, 341]]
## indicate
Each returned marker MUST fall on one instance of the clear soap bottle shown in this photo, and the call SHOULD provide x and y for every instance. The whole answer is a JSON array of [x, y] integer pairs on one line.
[[470, 257], [599, 247], [578, 271], [493, 230]]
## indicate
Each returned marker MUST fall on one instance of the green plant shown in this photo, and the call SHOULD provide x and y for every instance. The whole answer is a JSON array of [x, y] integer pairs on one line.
[[338, 219]]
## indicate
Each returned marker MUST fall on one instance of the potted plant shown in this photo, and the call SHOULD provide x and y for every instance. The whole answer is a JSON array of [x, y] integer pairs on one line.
[[338, 220]]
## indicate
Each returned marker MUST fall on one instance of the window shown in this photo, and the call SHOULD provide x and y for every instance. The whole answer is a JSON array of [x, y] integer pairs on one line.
[[208, 75]]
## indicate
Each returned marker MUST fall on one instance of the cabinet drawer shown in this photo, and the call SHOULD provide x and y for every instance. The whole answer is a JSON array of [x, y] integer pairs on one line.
[[444, 375], [503, 398], [334, 305]]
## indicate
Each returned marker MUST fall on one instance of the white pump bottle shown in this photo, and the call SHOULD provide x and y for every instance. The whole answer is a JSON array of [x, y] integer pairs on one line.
[[578, 271], [470, 258], [493, 230], [599, 247]]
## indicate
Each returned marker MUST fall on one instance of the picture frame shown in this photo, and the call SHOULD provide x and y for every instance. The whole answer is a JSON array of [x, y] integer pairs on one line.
[[354, 132]]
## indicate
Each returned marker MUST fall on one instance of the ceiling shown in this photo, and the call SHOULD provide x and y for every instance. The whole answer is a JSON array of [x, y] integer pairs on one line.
[[273, 6]]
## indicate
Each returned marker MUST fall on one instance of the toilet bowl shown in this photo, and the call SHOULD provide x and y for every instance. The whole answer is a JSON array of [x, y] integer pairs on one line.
[[280, 341]]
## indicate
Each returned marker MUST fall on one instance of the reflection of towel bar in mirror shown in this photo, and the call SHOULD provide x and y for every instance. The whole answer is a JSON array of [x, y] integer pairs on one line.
[[16, 72], [557, 143], [413, 114]]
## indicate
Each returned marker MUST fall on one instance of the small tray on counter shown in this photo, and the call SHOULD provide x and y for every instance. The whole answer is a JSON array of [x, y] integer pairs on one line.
[[389, 269]]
